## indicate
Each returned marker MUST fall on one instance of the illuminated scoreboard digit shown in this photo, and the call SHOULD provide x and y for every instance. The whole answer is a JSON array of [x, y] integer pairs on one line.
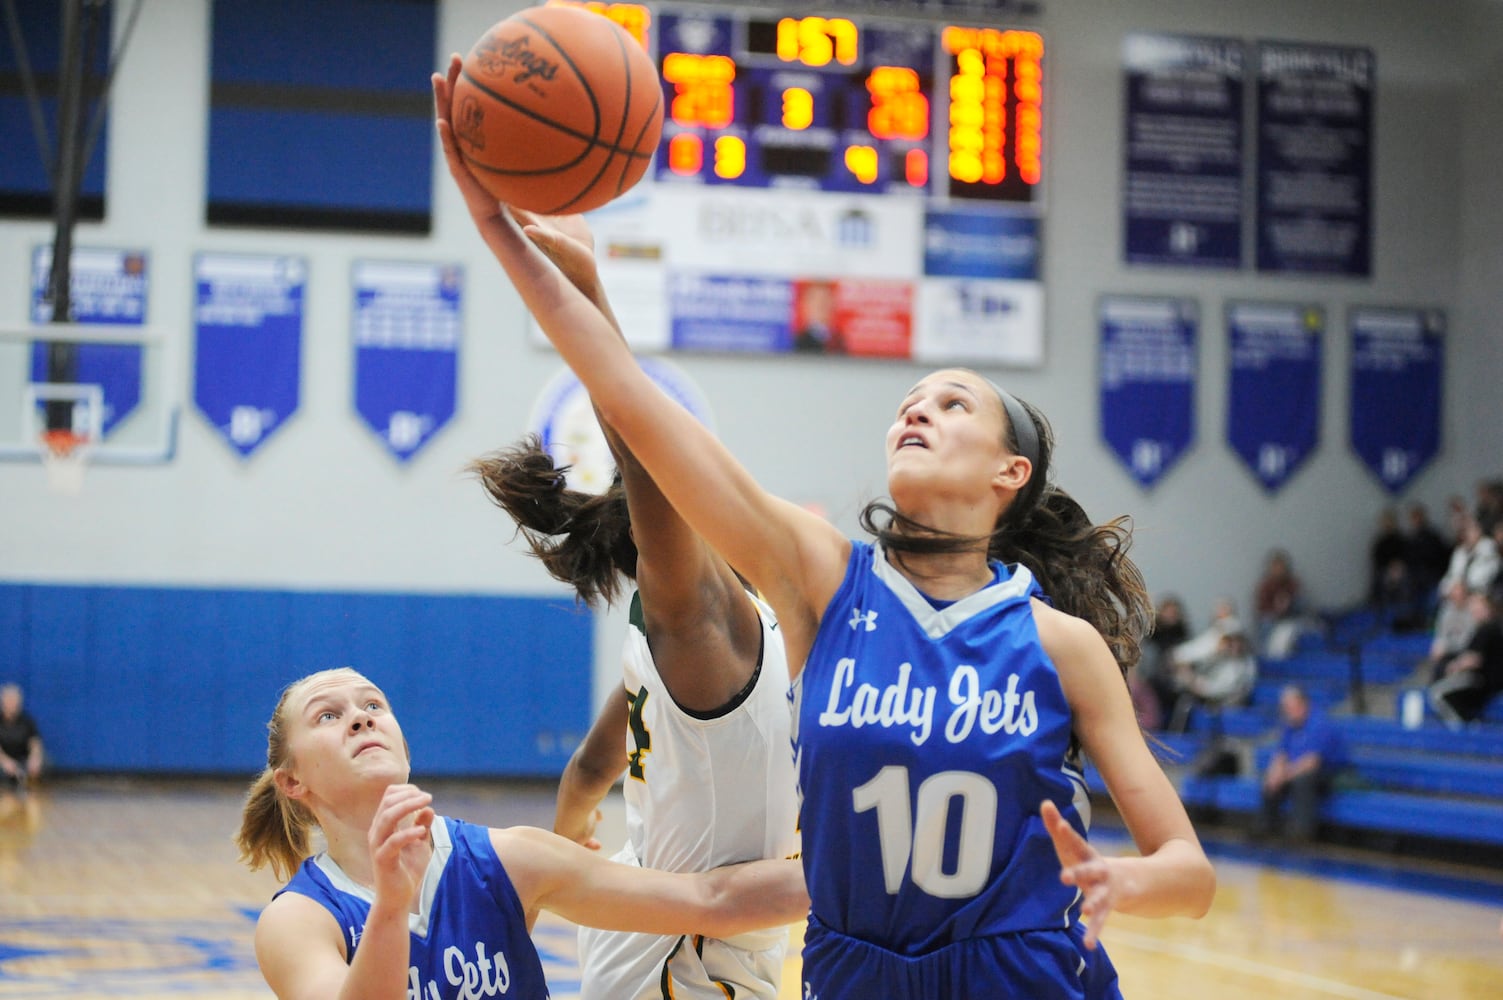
[[994, 143], [833, 103]]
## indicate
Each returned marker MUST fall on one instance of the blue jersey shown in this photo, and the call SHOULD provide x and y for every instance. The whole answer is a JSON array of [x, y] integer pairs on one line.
[[469, 936], [926, 739]]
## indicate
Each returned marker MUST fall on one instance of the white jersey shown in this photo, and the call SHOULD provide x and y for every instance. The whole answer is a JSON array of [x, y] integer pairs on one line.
[[701, 791]]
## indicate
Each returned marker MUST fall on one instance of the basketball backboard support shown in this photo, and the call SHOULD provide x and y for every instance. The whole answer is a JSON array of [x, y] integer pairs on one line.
[[120, 409]]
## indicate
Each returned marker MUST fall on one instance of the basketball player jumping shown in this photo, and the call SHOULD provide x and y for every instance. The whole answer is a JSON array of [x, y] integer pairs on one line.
[[701, 725], [942, 703]]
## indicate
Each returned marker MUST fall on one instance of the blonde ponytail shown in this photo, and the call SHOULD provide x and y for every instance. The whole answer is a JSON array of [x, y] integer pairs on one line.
[[274, 830]]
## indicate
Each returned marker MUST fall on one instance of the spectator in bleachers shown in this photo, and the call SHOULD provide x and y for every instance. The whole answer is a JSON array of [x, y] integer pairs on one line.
[[1310, 754], [1389, 587], [1428, 555], [1457, 512], [1472, 569], [1152, 682], [1216, 669], [20, 741], [1489, 511], [1474, 559], [1453, 630], [1473, 677], [1277, 607]]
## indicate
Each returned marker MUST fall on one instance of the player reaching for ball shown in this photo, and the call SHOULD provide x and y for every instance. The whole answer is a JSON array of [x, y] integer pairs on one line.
[[557, 109], [942, 703], [701, 725]]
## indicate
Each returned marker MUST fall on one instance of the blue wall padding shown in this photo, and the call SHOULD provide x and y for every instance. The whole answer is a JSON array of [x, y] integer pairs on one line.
[[182, 681]]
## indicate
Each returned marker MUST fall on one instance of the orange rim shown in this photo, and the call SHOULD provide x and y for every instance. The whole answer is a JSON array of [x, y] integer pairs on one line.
[[61, 443]]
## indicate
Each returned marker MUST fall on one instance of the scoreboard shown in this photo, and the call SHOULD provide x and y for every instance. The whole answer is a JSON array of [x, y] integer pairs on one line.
[[836, 104], [833, 182]]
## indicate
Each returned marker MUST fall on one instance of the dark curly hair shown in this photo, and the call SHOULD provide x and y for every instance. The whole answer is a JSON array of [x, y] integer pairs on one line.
[[1082, 567], [582, 539]]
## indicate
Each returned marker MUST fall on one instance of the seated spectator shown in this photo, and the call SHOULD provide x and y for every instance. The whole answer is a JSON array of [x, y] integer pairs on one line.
[[1389, 584], [1310, 754], [1473, 568], [1152, 681], [1427, 555], [1489, 512], [1474, 559], [1453, 630], [1473, 677], [1215, 670], [20, 741], [1278, 607]]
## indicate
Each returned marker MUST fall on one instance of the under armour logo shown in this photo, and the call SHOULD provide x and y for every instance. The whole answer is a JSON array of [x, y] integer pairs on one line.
[[867, 618], [809, 993]]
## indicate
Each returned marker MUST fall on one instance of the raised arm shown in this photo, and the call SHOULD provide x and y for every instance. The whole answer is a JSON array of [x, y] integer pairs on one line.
[[795, 558], [554, 874], [704, 630], [298, 944]]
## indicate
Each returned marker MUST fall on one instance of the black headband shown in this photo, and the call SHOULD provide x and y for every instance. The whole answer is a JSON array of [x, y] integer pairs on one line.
[[1023, 427]]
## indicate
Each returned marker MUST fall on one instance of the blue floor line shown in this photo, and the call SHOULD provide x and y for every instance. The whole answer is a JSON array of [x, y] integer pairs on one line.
[[1489, 893]]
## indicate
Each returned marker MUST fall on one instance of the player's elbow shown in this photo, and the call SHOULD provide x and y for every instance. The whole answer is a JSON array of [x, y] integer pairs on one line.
[[1202, 889]]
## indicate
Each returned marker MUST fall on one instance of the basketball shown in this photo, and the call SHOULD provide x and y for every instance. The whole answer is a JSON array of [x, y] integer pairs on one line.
[[557, 110]]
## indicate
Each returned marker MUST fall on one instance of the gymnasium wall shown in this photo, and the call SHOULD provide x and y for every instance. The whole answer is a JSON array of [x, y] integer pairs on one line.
[[198, 587]]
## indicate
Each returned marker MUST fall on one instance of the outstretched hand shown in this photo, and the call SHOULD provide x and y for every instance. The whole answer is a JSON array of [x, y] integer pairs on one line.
[[564, 239], [483, 206], [398, 841], [1082, 866]]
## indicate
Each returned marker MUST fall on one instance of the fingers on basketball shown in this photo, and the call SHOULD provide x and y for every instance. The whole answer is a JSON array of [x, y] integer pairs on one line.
[[557, 110]]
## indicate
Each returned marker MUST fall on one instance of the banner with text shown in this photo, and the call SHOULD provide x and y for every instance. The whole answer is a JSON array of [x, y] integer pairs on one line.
[[407, 325], [1147, 372], [248, 339], [1273, 395], [1315, 124], [106, 287], [1182, 186], [806, 273], [1397, 359]]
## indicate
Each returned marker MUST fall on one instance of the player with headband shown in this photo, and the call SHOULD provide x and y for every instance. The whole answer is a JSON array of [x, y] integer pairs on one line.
[[948, 675]]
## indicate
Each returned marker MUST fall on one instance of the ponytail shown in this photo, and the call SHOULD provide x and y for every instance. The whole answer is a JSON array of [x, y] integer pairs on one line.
[[581, 539], [273, 830]]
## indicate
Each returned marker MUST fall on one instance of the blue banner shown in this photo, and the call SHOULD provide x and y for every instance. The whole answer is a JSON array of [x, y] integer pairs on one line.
[[722, 313], [248, 323], [1397, 358], [1315, 124], [1182, 187], [407, 327], [105, 287], [1273, 396], [1148, 365], [974, 244]]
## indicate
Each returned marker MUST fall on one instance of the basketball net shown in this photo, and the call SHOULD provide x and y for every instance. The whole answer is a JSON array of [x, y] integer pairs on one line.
[[65, 456]]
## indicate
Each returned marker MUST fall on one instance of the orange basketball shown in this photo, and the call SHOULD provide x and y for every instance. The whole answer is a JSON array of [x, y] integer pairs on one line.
[[557, 110]]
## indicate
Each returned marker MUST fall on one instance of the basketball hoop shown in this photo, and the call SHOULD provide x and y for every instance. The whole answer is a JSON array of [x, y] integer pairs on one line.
[[64, 455]]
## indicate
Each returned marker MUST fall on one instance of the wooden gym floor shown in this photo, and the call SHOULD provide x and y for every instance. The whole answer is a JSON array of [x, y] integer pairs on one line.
[[130, 888]]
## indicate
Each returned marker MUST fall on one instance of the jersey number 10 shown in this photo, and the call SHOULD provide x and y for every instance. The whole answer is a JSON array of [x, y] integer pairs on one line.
[[924, 844]]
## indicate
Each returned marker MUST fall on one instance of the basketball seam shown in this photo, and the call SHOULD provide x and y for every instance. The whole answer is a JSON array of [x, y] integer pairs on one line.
[[657, 102], [620, 130], [529, 113]]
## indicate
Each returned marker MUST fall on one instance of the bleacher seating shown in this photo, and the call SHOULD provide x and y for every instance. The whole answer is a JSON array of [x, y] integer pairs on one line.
[[1425, 782]]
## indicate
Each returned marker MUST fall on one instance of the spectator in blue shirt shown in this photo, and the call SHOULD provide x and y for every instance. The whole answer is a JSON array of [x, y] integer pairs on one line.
[[1310, 754]]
